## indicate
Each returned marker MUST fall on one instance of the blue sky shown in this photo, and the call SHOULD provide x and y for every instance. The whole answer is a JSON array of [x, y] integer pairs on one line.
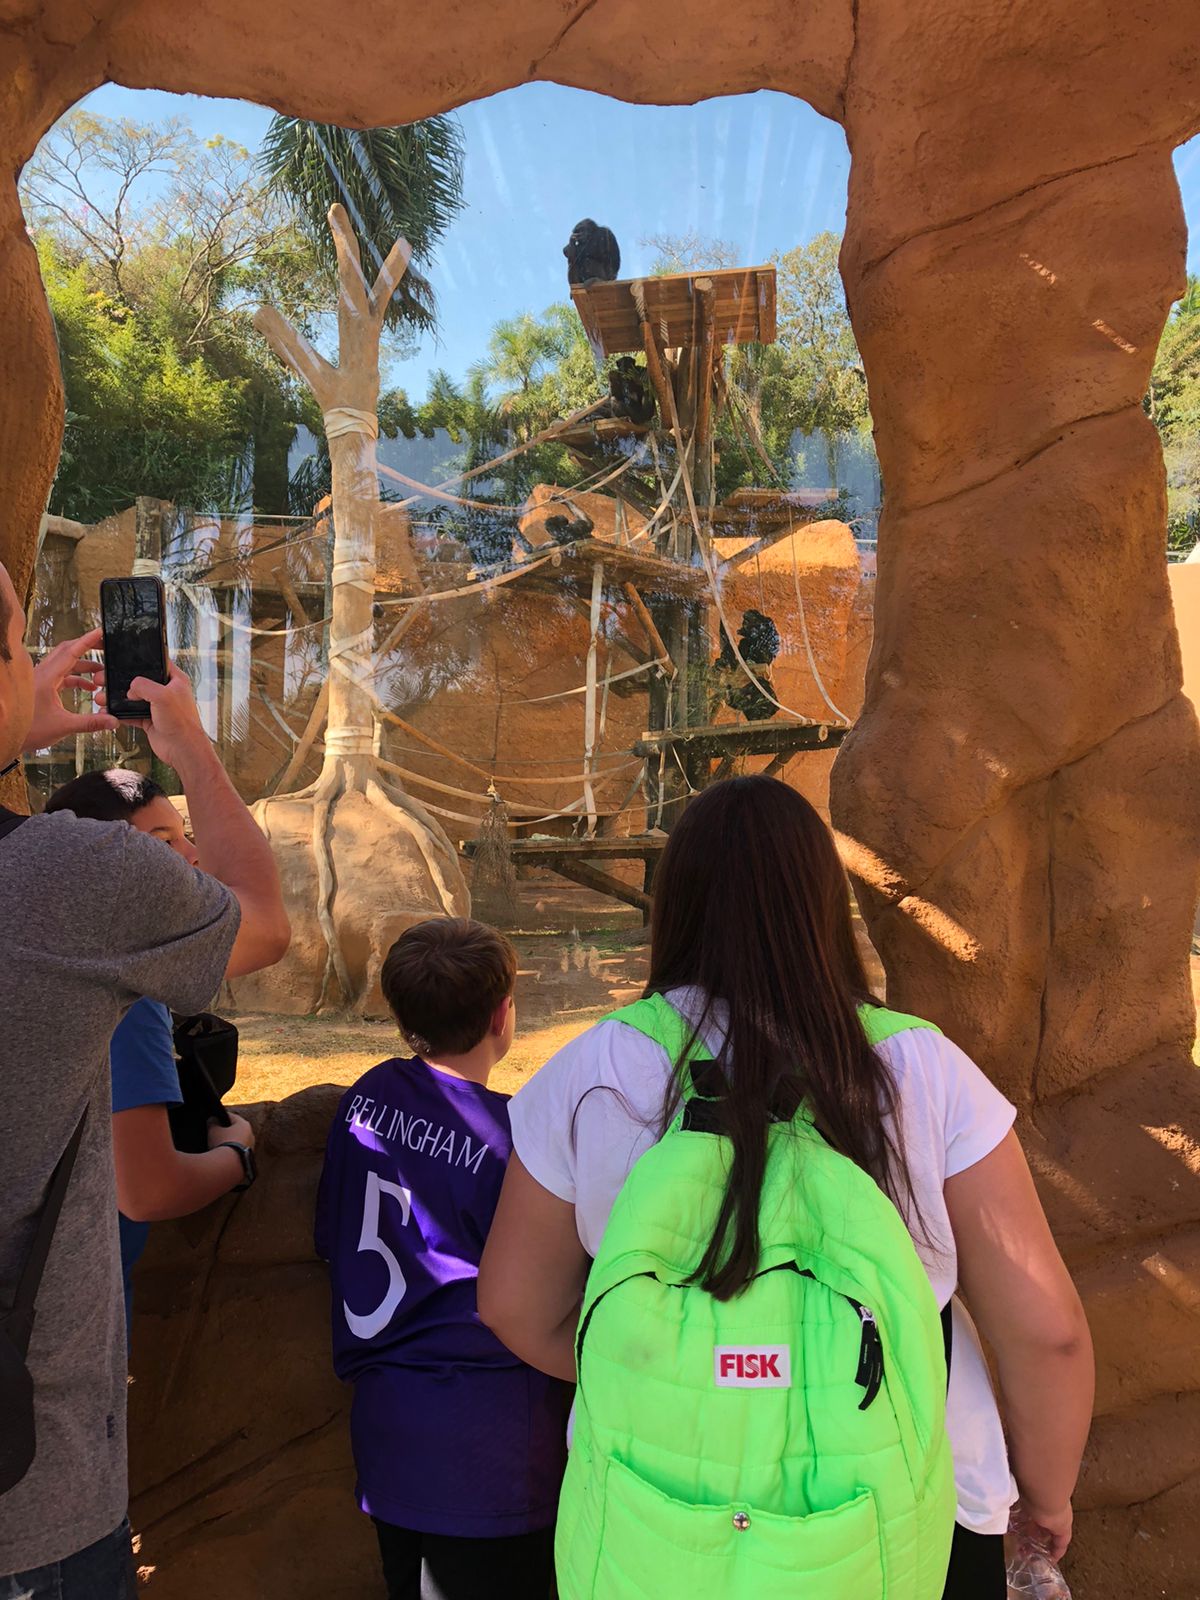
[[763, 171]]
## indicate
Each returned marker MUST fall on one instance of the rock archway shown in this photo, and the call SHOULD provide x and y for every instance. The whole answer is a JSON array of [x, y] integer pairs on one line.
[[1020, 796]]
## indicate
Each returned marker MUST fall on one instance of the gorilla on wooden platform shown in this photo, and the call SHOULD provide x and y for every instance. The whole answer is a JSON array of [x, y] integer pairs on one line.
[[592, 252], [630, 391], [759, 644]]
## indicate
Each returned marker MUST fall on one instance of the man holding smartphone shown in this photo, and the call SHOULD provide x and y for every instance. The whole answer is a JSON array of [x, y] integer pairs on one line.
[[95, 915]]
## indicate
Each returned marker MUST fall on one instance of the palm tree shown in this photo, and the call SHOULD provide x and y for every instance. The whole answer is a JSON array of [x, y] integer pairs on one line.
[[392, 181]]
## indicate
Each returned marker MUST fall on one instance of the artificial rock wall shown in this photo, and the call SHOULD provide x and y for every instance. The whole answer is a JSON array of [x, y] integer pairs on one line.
[[1019, 799]]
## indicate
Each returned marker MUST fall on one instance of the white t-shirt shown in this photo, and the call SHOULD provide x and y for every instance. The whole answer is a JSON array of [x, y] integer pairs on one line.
[[581, 1122]]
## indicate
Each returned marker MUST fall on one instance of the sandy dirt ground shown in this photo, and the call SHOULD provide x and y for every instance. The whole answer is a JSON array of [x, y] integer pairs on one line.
[[566, 981]]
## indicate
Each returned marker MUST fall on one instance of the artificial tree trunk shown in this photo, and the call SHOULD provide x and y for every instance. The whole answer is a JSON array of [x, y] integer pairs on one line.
[[347, 395]]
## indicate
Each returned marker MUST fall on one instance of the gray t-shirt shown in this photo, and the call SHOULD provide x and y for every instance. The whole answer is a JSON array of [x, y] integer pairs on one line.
[[92, 915]]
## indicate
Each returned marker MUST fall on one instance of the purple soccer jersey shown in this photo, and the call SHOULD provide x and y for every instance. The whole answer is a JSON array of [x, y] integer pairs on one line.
[[451, 1433]]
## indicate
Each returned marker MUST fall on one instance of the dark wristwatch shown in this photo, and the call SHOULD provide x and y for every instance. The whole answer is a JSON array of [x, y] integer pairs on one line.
[[249, 1169]]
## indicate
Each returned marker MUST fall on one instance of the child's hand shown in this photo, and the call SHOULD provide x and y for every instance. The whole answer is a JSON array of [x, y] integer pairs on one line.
[[1047, 1527], [239, 1131]]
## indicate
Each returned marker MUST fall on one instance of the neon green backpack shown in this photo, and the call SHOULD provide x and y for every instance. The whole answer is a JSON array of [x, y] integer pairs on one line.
[[788, 1444]]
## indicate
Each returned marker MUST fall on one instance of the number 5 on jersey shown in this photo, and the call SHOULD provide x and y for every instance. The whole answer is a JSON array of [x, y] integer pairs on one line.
[[368, 1324]]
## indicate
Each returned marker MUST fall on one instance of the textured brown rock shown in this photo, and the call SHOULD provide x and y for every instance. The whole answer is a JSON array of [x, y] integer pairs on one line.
[[240, 1435], [1013, 240], [1020, 797], [384, 886]]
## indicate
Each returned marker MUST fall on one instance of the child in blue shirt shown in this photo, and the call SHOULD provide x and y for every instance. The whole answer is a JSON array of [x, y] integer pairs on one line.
[[154, 1180]]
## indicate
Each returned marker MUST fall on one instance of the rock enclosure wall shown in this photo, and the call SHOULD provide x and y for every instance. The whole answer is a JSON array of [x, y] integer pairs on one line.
[[1019, 799]]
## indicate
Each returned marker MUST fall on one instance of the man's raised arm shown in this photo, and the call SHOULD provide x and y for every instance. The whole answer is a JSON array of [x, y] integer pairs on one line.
[[231, 845]]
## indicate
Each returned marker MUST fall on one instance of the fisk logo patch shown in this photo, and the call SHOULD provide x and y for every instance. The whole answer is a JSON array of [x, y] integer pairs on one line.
[[752, 1366]]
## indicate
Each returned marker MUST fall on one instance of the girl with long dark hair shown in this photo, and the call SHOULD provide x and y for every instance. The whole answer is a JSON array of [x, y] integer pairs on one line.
[[752, 942]]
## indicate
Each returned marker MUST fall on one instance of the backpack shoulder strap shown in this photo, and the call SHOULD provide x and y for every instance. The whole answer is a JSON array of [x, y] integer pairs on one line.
[[20, 1315], [878, 1023], [658, 1019]]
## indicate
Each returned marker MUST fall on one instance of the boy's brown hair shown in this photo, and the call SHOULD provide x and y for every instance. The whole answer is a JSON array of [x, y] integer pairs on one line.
[[443, 980]]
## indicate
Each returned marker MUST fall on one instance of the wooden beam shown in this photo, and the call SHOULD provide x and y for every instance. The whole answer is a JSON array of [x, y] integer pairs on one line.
[[312, 731], [787, 734], [590, 877], [589, 699], [288, 590], [619, 642], [663, 391], [706, 296], [647, 622], [617, 847]]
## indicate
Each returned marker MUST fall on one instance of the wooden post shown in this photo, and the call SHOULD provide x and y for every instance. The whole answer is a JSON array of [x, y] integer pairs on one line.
[[147, 536], [348, 395], [652, 633], [589, 700], [706, 294], [663, 392], [672, 619], [697, 765]]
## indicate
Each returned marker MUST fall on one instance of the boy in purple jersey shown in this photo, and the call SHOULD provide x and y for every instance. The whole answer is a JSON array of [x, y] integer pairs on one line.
[[460, 1448]]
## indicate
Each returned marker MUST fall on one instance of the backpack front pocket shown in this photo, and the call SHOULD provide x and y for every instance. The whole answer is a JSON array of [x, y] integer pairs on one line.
[[654, 1547]]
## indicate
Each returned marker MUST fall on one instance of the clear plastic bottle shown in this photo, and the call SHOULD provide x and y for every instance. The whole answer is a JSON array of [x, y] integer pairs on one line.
[[1032, 1574]]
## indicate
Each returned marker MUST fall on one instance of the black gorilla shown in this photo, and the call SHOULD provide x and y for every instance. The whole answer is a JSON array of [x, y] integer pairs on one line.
[[563, 531], [592, 253], [758, 641], [629, 386]]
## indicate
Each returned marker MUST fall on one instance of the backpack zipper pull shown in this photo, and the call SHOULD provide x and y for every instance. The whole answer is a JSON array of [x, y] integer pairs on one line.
[[870, 1358]]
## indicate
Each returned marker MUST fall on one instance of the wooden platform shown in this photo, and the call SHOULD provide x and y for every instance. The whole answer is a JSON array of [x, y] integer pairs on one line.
[[756, 510], [744, 312], [780, 736], [652, 574], [573, 859], [591, 436]]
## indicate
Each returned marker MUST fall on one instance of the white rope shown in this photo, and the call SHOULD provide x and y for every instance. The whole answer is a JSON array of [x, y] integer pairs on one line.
[[593, 481], [539, 438], [475, 587], [343, 420], [714, 588], [812, 663], [350, 742], [356, 573], [663, 505], [566, 694]]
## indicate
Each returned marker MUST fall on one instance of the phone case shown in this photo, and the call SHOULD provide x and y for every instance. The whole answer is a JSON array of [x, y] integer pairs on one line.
[[136, 710]]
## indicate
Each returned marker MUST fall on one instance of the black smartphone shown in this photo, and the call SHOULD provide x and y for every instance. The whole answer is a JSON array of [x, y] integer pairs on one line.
[[133, 614]]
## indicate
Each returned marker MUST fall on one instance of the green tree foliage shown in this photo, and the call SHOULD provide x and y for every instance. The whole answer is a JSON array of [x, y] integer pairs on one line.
[[1173, 404], [142, 417], [392, 181], [540, 369], [809, 381], [156, 248], [825, 381]]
